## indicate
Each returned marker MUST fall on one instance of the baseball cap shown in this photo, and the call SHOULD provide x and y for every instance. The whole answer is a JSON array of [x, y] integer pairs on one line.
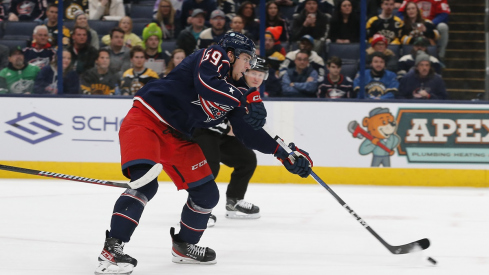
[[217, 13], [308, 38], [421, 41], [197, 12], [15, 49]]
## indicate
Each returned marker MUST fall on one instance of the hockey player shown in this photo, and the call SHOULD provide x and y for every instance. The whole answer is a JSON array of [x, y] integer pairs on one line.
[[219, 144], [157, 129]]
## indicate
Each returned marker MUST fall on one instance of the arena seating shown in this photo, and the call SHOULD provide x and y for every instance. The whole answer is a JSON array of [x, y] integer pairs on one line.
[[141, 11], [14, 30], [102, 27]]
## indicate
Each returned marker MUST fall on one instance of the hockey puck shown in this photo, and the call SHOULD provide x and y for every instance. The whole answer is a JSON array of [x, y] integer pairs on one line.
[[431, 260]]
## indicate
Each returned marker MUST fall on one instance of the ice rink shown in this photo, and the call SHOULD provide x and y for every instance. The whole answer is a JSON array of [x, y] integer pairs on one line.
[[57, 227]]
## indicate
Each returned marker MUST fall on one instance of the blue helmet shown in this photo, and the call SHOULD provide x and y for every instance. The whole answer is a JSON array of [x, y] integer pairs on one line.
[[239, 43]]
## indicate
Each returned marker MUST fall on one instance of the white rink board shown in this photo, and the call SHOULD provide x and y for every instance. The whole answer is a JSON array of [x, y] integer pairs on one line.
[[88, 129]]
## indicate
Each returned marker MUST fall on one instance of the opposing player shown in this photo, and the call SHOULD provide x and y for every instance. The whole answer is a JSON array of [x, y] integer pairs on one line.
[[157, 129], [219, 144]]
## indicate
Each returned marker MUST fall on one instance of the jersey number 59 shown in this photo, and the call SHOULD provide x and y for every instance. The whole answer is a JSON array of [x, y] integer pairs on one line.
[[215, 57]]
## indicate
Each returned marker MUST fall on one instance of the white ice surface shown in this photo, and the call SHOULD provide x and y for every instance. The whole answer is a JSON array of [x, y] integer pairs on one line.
[[53, 227]]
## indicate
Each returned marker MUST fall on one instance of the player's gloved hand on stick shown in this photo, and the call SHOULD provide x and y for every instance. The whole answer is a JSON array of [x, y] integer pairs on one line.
[[256, 113], [302, 163]]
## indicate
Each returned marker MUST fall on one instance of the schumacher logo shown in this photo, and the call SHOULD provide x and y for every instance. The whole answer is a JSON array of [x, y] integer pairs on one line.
[[200, 164], [33, 127]]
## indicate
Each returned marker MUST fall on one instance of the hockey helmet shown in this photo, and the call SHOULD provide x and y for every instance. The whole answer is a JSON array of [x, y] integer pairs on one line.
[[261, 66], [239, 43]]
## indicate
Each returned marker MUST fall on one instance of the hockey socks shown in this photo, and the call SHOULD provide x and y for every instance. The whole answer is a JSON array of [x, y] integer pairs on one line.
[[127, 212], [196, 212]]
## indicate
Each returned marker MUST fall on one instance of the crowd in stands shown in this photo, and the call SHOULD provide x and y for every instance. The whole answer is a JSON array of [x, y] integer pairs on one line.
[[114, 47]]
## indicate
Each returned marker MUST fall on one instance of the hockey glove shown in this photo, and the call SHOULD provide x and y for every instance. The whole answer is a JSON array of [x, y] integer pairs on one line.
[[256, 113], [299, 164]]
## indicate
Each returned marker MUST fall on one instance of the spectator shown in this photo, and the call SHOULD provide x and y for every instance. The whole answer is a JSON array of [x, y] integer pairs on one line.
[[345, 25], [189, 6], [176, 58], [324, 6], [187, 39], [51, 22], [156, 59], [167, 20], [335, 84], [4, 53], [27, 10], [138, 76], [379, 44], [228, 7], [310, 21], [237, 25], [422, 82], [386, 24], [316, 61], [274, 51], [3, 13], [406, 63], [82, 21], [274, 20], [130, 38], [301, 81], [19, 76], [214, 34], [437, 11], [82, 54], [416, 26], [106, 9], [47, 79], [176, 5], [118, 52], [40, 53], [72, 6], [379, 82], [99, 80], [251, 25]]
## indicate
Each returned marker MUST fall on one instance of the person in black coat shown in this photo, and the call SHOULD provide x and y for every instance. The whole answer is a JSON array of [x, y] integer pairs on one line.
[[310, 21], [345, 25]]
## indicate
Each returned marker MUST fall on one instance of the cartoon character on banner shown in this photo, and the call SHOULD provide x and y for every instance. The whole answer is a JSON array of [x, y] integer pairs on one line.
[[380, 136]]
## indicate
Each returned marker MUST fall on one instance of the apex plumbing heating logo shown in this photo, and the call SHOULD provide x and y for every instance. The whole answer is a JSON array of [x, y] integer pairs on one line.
[[33, 127], [444, 135]]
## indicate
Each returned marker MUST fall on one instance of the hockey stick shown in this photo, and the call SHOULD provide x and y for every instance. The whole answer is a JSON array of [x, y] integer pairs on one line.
[[149, 176], [400, 249]]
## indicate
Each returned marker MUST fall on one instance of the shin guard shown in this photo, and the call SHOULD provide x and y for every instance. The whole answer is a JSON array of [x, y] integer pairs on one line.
[[127, 212], [196, 211]]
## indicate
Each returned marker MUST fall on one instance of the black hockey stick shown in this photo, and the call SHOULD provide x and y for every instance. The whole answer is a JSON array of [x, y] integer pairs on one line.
[[149, 176], [399, 249]]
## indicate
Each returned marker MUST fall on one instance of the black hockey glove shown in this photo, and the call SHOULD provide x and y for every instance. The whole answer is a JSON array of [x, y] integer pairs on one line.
[[300, 165], [256, 113]]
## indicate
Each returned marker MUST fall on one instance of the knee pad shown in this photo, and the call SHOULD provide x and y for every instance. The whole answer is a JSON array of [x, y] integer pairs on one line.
[[205, 196]]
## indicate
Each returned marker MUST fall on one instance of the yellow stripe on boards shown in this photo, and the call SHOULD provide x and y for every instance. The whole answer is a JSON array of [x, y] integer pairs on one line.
[[278, 174]]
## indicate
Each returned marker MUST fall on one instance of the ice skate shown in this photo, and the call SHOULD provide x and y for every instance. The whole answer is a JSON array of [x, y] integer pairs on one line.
[[112, 260], [240, 209], [185, 253], [212, 221]]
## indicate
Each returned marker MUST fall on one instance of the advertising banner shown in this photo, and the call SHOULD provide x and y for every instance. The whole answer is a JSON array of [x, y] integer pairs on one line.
[[338, 135]]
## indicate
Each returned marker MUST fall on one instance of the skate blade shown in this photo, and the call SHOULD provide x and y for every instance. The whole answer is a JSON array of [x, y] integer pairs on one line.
[[241, 215], [182, 260], [107, 268], [211, 223]]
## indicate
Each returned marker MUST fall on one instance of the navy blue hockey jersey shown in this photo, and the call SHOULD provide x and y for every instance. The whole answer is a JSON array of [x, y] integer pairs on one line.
[[196, 94]]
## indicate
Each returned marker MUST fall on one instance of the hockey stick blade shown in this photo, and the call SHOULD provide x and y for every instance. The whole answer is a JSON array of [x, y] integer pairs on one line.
[[148, 177], [401, 249]]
